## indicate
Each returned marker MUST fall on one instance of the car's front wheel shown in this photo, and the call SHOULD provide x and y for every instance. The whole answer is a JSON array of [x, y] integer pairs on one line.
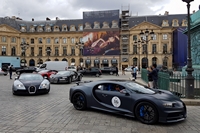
[[97, 75], [18, 73], [146, 113], [111, 73], [79, 101]]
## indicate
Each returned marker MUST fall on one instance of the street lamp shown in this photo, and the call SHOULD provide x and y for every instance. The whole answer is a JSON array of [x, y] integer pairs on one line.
[[48, 50], [80, 46], [189, 80], [137, 44], [24, 46], [144, 36]]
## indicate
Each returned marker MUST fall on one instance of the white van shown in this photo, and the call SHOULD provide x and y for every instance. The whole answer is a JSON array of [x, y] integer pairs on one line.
[[54, 65]]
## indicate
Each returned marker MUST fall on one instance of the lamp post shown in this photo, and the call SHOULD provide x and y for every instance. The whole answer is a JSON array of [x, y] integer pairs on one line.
[[48, 50], [80, 46], [144, 36], [137, 44], [24, 46], [189, 80]]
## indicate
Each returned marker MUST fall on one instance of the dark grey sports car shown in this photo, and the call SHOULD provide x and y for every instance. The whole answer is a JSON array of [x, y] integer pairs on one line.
[[130, 99], [65, 77], [30, 83]]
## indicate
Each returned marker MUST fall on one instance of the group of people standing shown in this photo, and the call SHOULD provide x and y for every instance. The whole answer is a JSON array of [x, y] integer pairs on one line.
[[153, 76]]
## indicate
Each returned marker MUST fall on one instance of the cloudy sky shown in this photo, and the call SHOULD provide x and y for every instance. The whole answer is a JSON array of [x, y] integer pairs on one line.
[[73, 9]]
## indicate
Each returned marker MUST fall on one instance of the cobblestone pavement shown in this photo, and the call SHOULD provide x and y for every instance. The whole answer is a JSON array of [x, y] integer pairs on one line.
[[53, 113]]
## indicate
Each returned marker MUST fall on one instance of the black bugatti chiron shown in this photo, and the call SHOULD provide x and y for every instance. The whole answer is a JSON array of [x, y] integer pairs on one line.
[[130, 99], [30, 83]]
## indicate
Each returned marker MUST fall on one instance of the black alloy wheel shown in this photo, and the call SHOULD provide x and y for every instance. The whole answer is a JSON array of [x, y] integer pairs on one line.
[[69, 80], [111, 73], [79, 78], [79, 101], [146, 113]]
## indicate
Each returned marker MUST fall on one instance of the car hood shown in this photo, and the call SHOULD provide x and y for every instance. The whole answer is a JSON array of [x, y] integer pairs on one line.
[[165, 95], [31, 82]]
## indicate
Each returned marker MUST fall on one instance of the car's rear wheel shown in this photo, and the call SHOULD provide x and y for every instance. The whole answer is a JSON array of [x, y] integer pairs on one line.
[[69, 80], [97, 75], [111, 73], [146, 113], [79, 78], [18, 73], [79, 101]]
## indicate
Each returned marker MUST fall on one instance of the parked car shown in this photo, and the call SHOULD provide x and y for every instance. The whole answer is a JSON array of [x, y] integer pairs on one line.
[[30, 83], [91, 71], [129, 69], [3, 72], [72, 68], [108, 70], [54, 65], [47, 73], [65, 77], [26, 70], [147, 105]]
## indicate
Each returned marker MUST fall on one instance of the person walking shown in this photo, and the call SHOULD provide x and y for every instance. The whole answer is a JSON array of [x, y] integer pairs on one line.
[[123, 70], [155, 76], [117, 71], [150, 77], [135, 69], [10, 69]]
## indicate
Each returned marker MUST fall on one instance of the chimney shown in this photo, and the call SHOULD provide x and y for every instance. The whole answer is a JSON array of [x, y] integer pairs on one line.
[[48, 18], [13, 17], [193, 11], [32, 19], [57, 18], [166, 13]]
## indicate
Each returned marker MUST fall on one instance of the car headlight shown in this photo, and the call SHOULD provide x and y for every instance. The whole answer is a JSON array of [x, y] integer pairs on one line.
[[168, 104], [43, 85], [20, 85]]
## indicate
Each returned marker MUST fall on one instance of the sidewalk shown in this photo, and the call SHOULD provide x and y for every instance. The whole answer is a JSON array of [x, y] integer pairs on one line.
[[191, 102]]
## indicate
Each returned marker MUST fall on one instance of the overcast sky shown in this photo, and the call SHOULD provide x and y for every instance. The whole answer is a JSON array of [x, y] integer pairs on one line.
[[73, 9]]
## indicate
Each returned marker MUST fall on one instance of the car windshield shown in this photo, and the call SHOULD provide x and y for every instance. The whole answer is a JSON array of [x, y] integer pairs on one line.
[[43, 71], [63, 72], [31, 77], [139, 88]]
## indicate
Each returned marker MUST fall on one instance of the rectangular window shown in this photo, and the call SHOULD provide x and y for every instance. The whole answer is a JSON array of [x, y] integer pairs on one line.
[[164, 36], [3, 50], [135, 38], [154, 37], [32, 51], [40, 40], [3, 39], [64, 51], [40, 51], [134, 49], [32, 41], [56, 51], [56, 41], [64, 40], [164, 48], [72, 51], [153, 48], [13, 40], [48, 50], [144, 49], [72, 40], [48, 41], [13, 51], [23, 40]]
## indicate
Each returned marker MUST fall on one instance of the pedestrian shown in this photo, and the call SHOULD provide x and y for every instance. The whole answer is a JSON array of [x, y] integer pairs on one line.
[[123, 70], [10, 69], [155, 76], [135, 69], [117, 71], [150, 77]]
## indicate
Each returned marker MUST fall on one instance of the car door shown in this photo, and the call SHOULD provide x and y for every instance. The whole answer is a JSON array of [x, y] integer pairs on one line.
[[87, 72], [112, 99]]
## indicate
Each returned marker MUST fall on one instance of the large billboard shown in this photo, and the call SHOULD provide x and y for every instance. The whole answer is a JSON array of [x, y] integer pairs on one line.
[[101, 33], [101, 43]]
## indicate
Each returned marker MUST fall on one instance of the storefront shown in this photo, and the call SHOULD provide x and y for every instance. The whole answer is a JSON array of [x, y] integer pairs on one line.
[[87, 63], [105, 63], [114, 62], [97, 63]]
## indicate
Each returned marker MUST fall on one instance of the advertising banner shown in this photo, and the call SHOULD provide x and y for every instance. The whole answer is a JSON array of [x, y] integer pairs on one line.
[[101, 43]]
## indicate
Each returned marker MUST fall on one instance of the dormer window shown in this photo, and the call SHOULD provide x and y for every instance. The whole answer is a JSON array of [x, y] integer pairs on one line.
[[23, 29], [48, 28], [64, 27], [56, 28], [184, 23], [105, 25], [32, 29], [114, 24], [96, 25], [40, 29], [175, 22], [87, 25], [72, 28], [165, 23], [80, 28]]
